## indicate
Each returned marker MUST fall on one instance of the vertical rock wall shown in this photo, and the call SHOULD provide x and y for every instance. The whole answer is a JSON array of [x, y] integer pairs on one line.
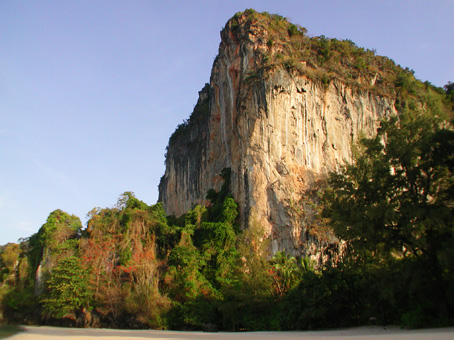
[[280, 134]]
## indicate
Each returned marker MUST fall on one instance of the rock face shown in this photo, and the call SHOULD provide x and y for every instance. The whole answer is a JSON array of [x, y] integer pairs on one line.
[[278, 131]]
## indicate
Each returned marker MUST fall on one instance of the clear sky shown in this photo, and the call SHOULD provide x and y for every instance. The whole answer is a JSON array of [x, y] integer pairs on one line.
[[90, 91]]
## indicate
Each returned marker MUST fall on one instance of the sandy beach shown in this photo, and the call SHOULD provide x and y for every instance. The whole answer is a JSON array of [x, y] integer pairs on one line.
[[367, 333]]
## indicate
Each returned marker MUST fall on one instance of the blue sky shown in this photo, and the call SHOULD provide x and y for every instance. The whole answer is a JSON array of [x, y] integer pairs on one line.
[[90, 91]]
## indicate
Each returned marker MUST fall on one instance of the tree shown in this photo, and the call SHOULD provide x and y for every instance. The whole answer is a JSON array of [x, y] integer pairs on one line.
[[121, 252], [67, 289], [184, 274], [396, 201], [285, 273], [9, 261], [58, 238], [449, 88], [247, 297], [187, 286]]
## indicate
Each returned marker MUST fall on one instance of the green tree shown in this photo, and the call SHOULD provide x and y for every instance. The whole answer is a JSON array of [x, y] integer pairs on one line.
[[67, 289], [124, 249], [247, 296], [307, 265], [449, 88], [187, 286], [9, 261], [285, 273], [396, 201], [184, 276], [58, 238], [329, 298]]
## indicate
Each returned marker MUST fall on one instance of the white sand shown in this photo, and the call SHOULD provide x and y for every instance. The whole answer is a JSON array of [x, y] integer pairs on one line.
[[366, 333]]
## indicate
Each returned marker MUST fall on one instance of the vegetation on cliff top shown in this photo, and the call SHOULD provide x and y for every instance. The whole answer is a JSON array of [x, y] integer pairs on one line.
[[287, 45], [325, 59], [200, 113], [134, 267]]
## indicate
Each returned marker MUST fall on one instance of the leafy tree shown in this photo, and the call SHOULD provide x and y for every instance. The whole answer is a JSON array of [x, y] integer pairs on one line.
[[56, 239], [121, 251], [143, 299], [99, 252], [216, 237], [218, 199], [307, 265], [217, 244], [218, 248], [395, 201], [184, 276], [449, 88], [285, 273], [187, 286], [16, 294], [330, 298], [247, 296], [288, 272], [9, 261], [67, 289]]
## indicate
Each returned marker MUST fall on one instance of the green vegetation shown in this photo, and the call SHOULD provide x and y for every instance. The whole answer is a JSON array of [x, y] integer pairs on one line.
[[324, 59], [392, 207], [135, 267], [8, 330], [449, 88], [201, 111], [67, 289]]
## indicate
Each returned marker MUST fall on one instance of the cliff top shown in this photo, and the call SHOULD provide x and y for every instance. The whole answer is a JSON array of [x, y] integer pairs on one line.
[[280, 43]]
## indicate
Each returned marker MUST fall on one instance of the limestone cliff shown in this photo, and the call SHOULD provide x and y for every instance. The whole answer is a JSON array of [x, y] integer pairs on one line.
[[279, 122]]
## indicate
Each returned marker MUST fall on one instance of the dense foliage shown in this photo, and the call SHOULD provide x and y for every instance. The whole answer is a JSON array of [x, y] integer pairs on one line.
[[286, 45], [67, 288], [134, 267], [392, 208]]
